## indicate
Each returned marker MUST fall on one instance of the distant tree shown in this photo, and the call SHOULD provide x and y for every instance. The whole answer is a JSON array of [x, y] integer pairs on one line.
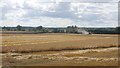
[[45, 30], [34, 29], [19, 28], [118, 29], [68, 26], [55, 30], [39, 28], [75, 26], [72, 26], [14, 29], [4, 27]]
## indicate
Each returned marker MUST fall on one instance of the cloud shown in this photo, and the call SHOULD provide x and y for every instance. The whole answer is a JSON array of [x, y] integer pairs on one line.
[[59, 13], [95, 15], [44, 21]]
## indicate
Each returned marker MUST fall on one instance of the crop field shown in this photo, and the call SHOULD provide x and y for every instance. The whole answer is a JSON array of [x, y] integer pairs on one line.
[[54, 49]]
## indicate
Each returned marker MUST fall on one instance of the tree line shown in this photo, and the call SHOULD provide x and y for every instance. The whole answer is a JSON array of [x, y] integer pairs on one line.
[[56, 30]]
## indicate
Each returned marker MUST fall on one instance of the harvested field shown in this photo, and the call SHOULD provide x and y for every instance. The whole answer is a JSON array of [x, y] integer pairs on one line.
[[90, 57], [54, 49], [48, 42]]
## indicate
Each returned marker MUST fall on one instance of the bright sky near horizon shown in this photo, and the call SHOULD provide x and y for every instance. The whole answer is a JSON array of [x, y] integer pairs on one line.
[[59, 13]]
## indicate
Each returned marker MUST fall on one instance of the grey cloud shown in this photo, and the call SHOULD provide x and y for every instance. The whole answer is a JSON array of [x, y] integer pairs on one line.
[[63, 6], [90, 17], [82, 1], [62, 10]]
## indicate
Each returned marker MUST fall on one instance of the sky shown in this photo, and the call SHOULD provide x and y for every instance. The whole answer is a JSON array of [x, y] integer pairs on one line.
[[59, 13]]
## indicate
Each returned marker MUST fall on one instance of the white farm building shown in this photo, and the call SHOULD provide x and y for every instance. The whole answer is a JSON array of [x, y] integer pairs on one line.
[[75, 29]]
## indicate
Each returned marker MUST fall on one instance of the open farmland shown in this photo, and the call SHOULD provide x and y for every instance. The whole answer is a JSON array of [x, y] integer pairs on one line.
[[41, 42], [53, 49]]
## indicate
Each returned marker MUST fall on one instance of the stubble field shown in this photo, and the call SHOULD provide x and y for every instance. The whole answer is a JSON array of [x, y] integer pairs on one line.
[[54, 49]]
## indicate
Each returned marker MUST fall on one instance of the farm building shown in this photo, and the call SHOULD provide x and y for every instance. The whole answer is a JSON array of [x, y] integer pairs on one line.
[[75, 29]]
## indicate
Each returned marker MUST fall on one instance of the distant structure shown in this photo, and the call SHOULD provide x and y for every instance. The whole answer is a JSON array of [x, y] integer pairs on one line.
[[75, 29]]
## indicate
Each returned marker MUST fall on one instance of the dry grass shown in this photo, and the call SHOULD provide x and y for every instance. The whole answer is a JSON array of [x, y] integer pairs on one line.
[[54, 49], [25, 43], [90, 57]]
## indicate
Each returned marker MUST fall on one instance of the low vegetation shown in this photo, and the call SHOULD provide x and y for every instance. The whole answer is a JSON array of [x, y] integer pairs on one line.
[[25, 43], [52, 49]]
